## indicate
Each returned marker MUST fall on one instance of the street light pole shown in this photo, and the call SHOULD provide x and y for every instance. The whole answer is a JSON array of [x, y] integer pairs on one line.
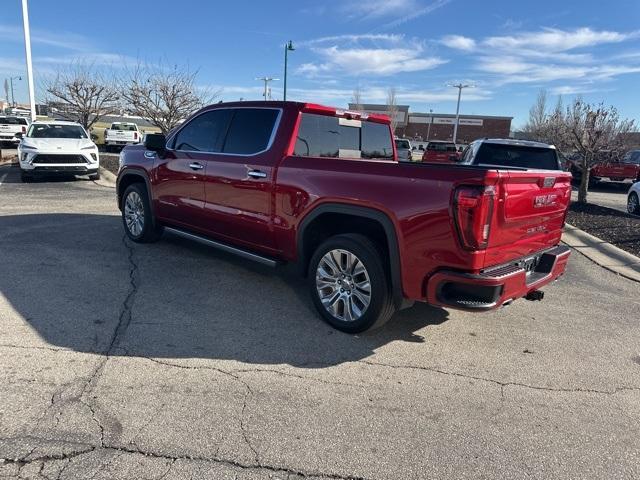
[[267, 90], [13, 97], [27, 48], [430, 122], [288, 47], [459, 86]]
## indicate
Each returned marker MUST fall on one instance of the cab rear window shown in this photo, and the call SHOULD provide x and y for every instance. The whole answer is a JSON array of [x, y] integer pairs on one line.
[[326, 136], [520, 156], [12, 121]]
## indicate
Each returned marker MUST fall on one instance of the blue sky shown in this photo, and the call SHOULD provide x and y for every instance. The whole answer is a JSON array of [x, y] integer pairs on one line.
[[508, 49]]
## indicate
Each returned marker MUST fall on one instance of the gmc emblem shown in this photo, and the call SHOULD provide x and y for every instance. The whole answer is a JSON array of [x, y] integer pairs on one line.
[[545, 200]]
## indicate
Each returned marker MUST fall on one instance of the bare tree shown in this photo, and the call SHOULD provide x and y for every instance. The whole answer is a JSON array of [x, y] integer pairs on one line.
[[356, 99], [84, 93], [164, 96], [594, 132], [392, 108], [537, 116]]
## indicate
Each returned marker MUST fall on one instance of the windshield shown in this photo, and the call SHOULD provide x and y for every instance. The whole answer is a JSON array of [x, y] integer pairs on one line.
[[441, 147], [12, 121], [403, 144], [56, 131], [517, 156]]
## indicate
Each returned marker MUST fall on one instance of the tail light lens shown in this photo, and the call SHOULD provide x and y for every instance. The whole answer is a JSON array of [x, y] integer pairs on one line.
[[473, 210], [135, 135], [24, 129]]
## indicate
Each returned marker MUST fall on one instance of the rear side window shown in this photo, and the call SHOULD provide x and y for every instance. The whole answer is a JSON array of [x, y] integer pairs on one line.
[[250, 131], [324, 136], [204, 133], [517, 156]]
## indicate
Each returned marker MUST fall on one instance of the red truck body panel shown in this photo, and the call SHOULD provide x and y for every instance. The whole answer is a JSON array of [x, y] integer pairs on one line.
[[266, 215]]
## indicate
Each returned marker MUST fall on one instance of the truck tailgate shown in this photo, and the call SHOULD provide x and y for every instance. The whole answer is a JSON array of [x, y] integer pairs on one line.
[[529, 213]]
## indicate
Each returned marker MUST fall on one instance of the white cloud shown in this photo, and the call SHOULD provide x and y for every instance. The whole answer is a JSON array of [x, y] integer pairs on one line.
[[65, 41], [350, 38], [459, 42], [396, 12], [556, 40]]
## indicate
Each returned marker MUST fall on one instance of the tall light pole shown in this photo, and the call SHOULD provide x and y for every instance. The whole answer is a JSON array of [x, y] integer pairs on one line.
[[430, 122], [27, 49], [267, 90], [459, 86], [287, 48], [13, 97]]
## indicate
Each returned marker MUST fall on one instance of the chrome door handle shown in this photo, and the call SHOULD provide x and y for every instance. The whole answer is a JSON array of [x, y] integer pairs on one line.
[[196, 166], [257, 174]]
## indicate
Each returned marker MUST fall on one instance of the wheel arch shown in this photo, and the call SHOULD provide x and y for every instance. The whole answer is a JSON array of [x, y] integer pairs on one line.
[[304, 245], [130, 176]]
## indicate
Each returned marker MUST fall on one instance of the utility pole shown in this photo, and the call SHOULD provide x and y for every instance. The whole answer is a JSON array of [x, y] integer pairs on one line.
[[27, 49], [459, 86], [430, 122], [267, 90], [287, 48]]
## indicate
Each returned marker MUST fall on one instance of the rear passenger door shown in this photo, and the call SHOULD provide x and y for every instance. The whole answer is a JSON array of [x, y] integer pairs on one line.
[[239, 179]]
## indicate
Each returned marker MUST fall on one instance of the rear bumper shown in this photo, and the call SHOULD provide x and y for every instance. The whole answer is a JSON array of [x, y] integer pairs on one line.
[[497, 286]]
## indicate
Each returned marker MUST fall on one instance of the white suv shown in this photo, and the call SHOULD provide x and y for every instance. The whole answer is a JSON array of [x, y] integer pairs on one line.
[[57, 148]]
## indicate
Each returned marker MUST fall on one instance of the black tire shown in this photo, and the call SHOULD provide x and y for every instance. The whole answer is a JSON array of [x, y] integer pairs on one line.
[[95, 176], [25, 177], [380, 308], [633, 203], [150, 231]]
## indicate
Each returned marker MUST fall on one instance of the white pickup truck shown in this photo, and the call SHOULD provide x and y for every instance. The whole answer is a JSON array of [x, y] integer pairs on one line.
[[9, 126], [121, 134]]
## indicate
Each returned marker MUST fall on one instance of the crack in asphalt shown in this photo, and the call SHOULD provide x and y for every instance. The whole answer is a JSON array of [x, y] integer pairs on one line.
[[88, 448], [503, 385]]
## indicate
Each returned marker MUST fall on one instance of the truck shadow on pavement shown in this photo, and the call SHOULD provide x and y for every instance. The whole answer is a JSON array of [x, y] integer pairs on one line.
[[80, 285]]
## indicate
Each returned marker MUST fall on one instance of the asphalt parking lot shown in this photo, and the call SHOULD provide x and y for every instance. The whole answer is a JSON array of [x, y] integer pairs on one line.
[[175, 361]]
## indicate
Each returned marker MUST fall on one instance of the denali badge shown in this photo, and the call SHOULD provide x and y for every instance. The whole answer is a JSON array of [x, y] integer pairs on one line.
[[545, 200]]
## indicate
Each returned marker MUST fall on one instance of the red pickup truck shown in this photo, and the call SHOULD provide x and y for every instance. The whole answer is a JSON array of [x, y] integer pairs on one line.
[[322, 188], [625, 171]]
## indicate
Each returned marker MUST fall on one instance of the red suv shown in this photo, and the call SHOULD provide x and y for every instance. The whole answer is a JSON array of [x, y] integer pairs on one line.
[[320, 187], [440, 152]]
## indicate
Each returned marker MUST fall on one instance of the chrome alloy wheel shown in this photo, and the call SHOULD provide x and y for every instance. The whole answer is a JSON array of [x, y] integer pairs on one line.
[[343, 285], [632, 203], [134, 213]]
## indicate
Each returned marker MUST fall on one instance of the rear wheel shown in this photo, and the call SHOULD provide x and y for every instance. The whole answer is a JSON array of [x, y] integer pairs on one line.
[[137, 217], [633, 203], [349, 285]]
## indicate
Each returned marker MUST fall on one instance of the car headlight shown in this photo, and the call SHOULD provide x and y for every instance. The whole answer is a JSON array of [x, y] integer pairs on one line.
[[91, 147], [28, 147]]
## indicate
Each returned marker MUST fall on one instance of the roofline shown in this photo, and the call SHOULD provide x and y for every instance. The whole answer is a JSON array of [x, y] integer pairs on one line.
[[452, 115]]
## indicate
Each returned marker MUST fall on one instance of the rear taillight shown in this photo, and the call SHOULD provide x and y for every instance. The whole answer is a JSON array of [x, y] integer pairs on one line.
[[135, 135], [473, 210], [24, 129]]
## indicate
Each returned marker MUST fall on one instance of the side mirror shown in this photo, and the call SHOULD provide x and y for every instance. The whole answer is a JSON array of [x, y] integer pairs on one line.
[[19, 135], [156, 142]]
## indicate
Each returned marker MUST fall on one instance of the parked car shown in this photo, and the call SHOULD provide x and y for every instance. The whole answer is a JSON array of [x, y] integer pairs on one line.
[[57, 148], [319, 187], [440, 152], [9, 126], [506, 152], [121, 134], [403, 149], [633, 199], [608, 170]]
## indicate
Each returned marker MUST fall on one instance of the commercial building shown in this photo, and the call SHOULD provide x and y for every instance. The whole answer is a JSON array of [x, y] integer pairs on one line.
[[439, 126]]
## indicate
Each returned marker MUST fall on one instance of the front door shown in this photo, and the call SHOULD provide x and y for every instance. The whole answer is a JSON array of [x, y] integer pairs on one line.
[[180, 173]]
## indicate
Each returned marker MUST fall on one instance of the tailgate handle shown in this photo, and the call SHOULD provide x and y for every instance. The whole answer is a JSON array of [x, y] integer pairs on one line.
[[547, 182]]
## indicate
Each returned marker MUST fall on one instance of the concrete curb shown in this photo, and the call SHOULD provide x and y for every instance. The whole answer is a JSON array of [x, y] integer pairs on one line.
[[107, 179], [603, 253]]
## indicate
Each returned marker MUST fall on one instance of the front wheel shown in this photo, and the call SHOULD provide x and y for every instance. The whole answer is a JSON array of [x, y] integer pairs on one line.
[[349, 285], [137, 216], [633, 203]]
